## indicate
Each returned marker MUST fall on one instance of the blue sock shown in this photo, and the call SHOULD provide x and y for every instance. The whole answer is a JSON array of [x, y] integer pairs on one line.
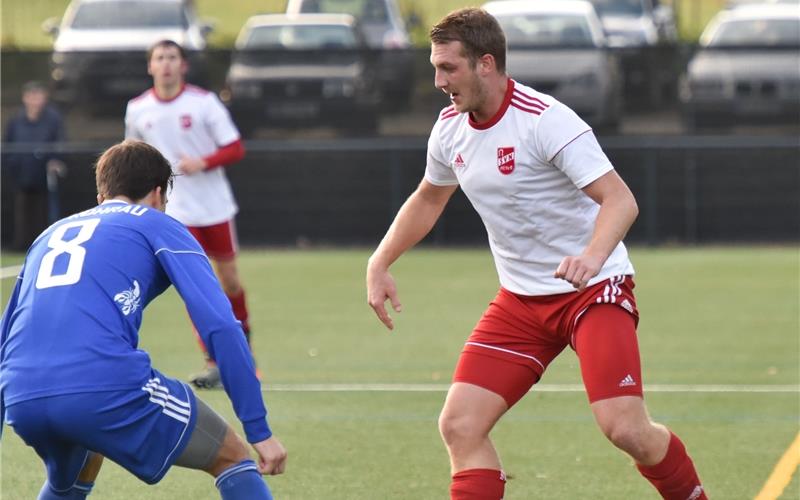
[[242, 482], [78, 492]]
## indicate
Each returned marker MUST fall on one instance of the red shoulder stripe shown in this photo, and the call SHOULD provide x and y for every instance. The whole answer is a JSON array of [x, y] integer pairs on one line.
[[447, 110], [451, 114], [527, 110], [530, 99], [523, 102]]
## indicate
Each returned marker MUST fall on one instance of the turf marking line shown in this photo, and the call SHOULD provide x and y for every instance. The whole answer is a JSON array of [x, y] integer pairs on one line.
[[9, 272], [782, 473], [764, 388]]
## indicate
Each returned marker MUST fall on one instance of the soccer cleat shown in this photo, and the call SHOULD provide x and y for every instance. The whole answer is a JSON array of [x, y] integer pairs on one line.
[[207, 379]]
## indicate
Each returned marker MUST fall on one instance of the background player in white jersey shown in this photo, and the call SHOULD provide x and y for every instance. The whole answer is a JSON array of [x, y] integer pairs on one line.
[[194, 131], [555, 212], [76, 310]]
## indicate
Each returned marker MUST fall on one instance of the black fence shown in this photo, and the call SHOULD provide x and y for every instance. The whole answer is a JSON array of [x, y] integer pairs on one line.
[[346, 191]]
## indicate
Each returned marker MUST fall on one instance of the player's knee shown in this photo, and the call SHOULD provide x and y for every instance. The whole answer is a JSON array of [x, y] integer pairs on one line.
[[628, 437], [458, 429], [233, 451]]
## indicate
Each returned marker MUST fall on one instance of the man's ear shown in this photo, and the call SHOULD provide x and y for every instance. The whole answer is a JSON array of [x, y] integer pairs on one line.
[[100, 199], [486, 64]]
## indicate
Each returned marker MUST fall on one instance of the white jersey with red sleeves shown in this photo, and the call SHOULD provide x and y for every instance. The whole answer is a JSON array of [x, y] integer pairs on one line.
[[193, 124], [523, 171]]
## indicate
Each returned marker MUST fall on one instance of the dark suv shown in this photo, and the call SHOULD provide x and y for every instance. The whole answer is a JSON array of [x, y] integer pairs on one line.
[[302, 70], [385, 32]]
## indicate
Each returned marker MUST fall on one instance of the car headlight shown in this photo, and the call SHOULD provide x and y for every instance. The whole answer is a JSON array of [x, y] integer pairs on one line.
[[338, 88], [246, 90]]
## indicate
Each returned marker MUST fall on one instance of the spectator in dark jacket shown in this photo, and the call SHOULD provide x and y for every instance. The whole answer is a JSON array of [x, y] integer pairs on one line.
[[36, 124]]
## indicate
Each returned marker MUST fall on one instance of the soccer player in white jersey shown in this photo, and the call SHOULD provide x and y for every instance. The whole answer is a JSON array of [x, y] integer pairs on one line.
[[194, 131], [555, 212]]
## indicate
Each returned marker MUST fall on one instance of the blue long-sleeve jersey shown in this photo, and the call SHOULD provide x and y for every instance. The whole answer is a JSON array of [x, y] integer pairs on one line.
[[72, 322]]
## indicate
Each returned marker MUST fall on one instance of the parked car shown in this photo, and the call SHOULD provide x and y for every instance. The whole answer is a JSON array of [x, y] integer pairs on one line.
[[299, 70], [385, 32], [559, 48], [99, 46], [645, 35], [747, 68]]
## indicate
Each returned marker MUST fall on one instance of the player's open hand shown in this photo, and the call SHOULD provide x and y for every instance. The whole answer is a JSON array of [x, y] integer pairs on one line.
[[271, 456], [380, 287], [578, 270], [191, 166]]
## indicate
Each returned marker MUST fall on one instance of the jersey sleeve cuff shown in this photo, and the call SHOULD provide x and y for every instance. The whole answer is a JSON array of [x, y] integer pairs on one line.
[[257, 430]]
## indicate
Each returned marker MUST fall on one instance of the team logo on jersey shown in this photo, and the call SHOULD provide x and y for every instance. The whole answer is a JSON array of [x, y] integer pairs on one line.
[[505, 160], [459, 161], [186, 121], [129, 300]]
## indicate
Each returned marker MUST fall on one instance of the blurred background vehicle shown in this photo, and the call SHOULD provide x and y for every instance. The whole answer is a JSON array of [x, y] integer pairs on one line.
[[747, 68], [99, 47], [559, 48], [386, 32], [305, 69], [645, 34]]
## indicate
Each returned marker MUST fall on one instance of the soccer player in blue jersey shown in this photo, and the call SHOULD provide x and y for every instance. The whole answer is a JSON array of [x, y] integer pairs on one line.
[[76, 310]]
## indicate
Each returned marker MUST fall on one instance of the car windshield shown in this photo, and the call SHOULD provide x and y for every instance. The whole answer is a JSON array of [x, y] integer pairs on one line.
[[370, 11], [306, 36], [757, 33], [549, 30], [132, 14], [618, 7]]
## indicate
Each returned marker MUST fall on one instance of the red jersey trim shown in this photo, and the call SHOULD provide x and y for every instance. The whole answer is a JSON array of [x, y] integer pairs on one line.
[[527, 110], [568, 143], [530, 100], [500, 112], [159, 99]]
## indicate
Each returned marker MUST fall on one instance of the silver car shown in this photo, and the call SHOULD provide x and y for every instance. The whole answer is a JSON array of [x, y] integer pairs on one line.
[[747, 68], [99, 45], [559, 48]]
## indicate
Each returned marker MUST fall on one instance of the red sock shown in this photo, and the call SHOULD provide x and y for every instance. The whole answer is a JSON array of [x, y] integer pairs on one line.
[[478, 484], [240, 311], [675, 477]]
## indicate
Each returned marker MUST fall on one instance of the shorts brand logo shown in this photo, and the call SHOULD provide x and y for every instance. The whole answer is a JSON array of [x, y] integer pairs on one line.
[[627, 381], [505, 160]]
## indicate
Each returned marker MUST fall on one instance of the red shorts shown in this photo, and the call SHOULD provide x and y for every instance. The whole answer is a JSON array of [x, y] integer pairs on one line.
[[518, 336], [219, 241]]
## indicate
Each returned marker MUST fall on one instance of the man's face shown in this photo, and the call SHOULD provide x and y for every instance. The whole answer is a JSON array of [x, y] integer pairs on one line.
[[166, 66], [455, 77], [34, 101]]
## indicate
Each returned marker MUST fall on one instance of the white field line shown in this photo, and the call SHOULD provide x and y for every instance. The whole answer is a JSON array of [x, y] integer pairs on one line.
[[9, 272], [765, 388]]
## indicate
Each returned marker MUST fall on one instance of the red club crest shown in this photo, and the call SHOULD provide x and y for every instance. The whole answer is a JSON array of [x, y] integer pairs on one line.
[[186, 121], [505, 160]]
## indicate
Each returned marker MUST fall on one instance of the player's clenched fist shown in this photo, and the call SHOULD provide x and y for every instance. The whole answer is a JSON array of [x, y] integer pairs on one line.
[[271, 456]]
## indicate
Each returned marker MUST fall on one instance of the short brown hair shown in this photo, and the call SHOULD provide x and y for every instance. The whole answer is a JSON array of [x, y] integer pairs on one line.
[[166, 43], [477, 30], [132, 169]]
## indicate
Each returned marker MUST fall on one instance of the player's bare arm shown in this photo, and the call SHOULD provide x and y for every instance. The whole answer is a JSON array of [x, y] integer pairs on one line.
[[414, 220], [618, 210]]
